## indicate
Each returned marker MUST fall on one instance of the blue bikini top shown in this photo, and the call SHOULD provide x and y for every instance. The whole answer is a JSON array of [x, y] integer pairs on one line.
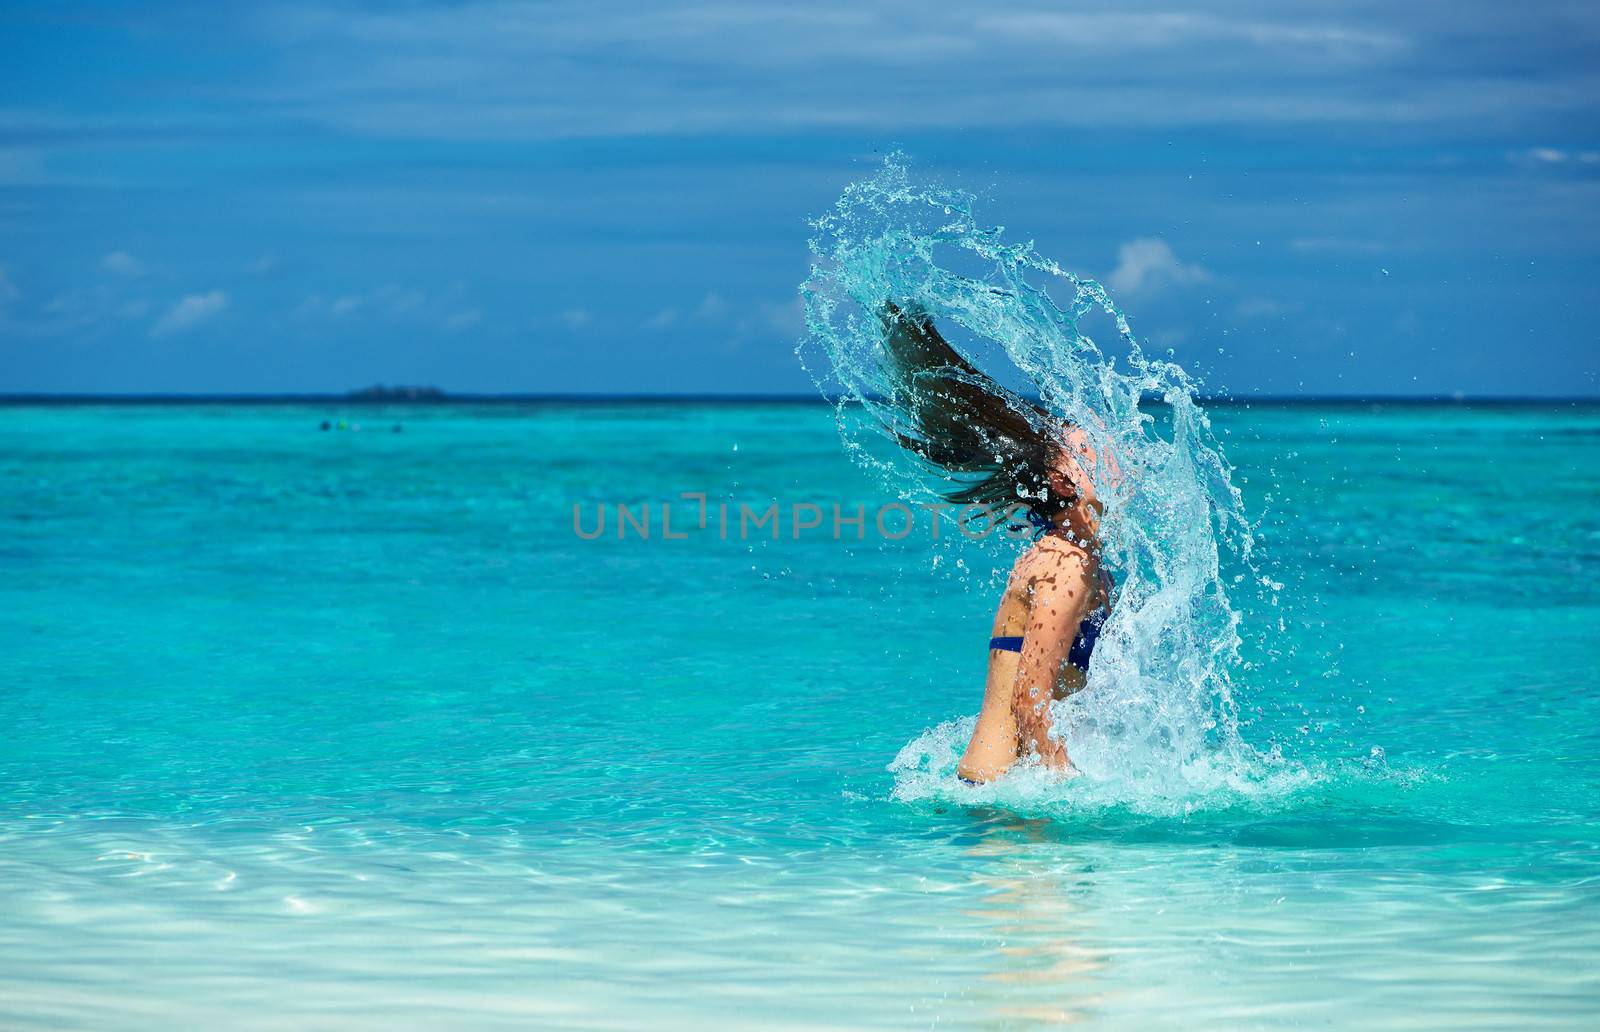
[[1082, 643]]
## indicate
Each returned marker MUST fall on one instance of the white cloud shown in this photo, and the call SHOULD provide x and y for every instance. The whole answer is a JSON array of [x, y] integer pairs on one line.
[[21, 167], [1166, 30], [512, 69], [465, 319], [1256, 308], [372, 69], [662, 320], [399, 301], [1146, 263], [576, 318], [390, 301], [265, 265], [786, 319], [711, 308], [190, 312], [121, 263], [744, 319], [8, 290], [1551, 156]]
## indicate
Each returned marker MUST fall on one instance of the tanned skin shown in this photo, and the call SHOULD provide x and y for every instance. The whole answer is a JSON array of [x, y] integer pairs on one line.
[[1052, 587]]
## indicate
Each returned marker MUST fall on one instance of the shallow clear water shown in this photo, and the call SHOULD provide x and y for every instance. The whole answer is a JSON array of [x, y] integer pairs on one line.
[[352, 728]]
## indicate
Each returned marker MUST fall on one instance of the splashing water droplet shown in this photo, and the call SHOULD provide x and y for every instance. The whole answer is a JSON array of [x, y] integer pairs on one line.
[[1159, 719]]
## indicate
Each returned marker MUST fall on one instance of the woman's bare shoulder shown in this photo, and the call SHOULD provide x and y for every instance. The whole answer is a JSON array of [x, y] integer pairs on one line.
[[1049, 557]]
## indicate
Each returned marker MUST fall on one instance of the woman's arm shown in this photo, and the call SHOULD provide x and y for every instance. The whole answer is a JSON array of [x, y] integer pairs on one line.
[[1060, 586]]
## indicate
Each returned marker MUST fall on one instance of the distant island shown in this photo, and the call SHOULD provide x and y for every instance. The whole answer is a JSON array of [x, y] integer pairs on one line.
[[378, 392]]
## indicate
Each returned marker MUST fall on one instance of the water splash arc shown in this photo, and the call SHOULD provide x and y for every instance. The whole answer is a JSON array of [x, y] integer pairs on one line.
[[1159, 719]]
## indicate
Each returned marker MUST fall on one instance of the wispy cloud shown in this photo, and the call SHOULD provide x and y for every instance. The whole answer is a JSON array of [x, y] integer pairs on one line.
[[21, 166], [1149, 263], [1554, 156], [190, 312], [1178, 30], [463, 320], [507, 69], [665, 319], [711, 308], [715, 318], [613, 154], [1260, 308], [78, 310], [121, 263], [785, 320], [391, 303], [264, 265], [576, 318]]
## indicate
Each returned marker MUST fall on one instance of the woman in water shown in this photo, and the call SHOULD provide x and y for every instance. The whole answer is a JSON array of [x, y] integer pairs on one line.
[[957, 418]]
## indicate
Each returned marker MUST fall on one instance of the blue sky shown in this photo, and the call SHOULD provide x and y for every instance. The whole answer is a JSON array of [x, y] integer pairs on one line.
[[1322, 198]]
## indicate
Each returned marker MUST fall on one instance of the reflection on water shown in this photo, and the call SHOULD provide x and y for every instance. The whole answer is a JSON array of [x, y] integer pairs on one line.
[[1045, 973]]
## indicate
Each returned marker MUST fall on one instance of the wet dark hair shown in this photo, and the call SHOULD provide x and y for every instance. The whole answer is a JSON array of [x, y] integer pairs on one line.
[[955, 416]]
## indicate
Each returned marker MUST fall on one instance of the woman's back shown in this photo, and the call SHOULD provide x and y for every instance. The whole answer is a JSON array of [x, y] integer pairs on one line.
[[1053, 588]]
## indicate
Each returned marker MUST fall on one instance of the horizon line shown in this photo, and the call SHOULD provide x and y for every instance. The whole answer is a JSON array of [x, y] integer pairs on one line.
[[42, 398]]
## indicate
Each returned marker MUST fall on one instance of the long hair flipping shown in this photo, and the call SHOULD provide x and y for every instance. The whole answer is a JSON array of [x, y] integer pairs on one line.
[[957, 417]]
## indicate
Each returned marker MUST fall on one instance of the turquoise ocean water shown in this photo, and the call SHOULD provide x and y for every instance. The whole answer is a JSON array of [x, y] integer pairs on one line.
[[313, 729]]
